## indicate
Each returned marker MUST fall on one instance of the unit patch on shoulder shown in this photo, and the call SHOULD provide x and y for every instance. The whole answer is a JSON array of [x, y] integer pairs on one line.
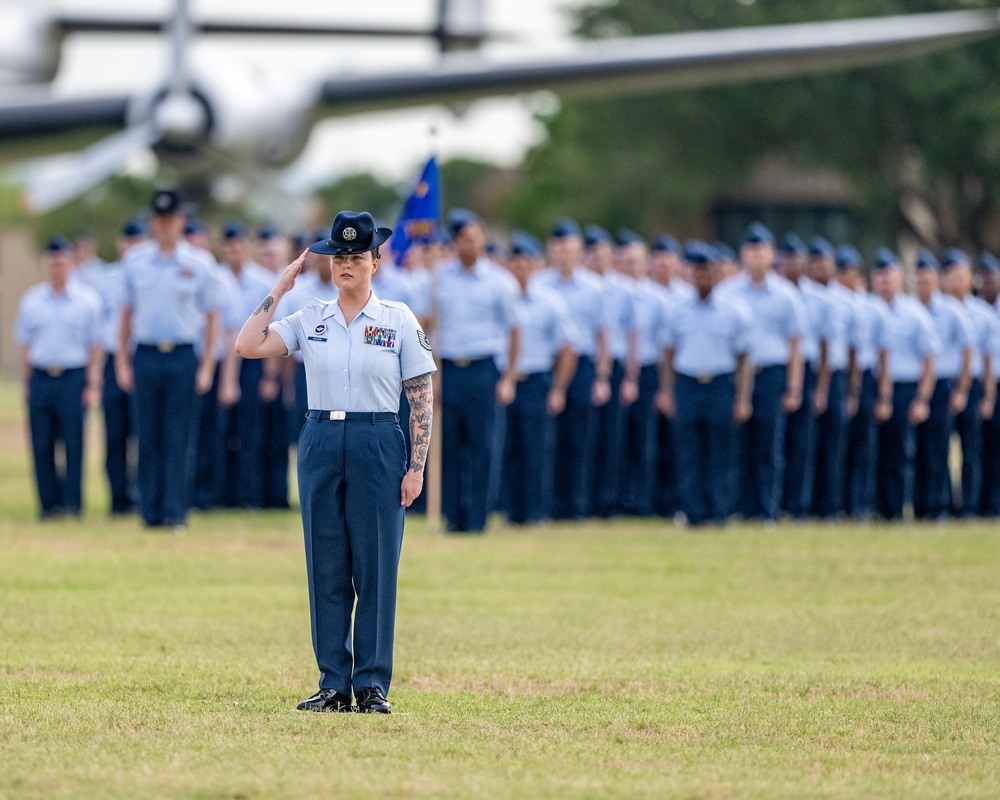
[[422, 338], [380, 337]]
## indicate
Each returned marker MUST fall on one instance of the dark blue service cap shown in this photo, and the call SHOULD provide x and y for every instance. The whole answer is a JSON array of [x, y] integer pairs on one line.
[[697, 253], [135, 227], [819, 247], [523, 244], [953, 256], [234, 229], [758, 233], [627, 236], [988, 262], [848, 257], [927, 260], [723, 252], [665, 243], [886, 258], [458, 218], [167, 201], [59, 244], [352, 232], [565, 227], [793, 245], [267, 231], [595, 234]]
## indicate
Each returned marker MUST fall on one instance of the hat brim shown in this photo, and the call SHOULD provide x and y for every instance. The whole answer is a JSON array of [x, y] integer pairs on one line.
[[327, 247]]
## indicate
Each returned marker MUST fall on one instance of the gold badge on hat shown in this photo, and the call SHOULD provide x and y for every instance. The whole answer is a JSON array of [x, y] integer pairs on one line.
[[350, 234]]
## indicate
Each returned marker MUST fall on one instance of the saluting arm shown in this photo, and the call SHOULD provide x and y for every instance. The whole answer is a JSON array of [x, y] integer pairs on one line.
[[420, 395], [254, 340]]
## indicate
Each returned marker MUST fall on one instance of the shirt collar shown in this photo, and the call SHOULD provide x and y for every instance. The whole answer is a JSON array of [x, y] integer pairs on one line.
[[371, 308]]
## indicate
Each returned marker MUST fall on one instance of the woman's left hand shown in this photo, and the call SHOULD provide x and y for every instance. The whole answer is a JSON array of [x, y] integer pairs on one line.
[[409, 490]]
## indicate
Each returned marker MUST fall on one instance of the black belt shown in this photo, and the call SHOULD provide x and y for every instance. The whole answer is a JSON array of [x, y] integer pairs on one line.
[[340, 416], [462, 363], [165, 347]]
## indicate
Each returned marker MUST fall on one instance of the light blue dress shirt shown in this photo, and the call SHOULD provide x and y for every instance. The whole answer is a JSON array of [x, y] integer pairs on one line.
[[547, 328], [361, 366], [818, 328], [954, 330], [846, 329], [619, 309], [476, 309], [107, 280], [871, 312], [907, 333], [985, 331], [582, 293], [652, 306], [59, 329], [778, 316], [708, 336], [169, 295]]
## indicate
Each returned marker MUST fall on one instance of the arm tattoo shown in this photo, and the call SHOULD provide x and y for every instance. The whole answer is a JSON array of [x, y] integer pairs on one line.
[[420, 396], [265, 304]]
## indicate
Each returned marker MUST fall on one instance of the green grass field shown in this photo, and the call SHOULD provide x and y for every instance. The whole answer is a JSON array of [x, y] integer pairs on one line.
[[611, 660]]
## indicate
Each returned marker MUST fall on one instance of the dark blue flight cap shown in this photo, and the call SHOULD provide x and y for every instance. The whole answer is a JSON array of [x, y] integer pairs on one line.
[[758, 233], [627, 236], [595, 234], [166, 202], [267, 231], [793, 245], [665, 243], [234, 230], [927, 260], [565, 227], [886, 258], [352, 232], [134, 227], [723, 252], [301, 239], [988, 262], [495, 249], [458, 218], [195, 225], [521, 244], [953, 256], [59, 244], [697, 253], [819, 247], [848, 257]]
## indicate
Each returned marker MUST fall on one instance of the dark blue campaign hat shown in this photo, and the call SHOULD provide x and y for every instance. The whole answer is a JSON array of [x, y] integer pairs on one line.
[[627, 236], [167, 201], [927, 260], [988, 262], [595, 234], [135, 227], [565, 227], [793, 245], [698, 253], [886, 258], [723, 252], [234, 229], [758, 233], [665, 243], [819, 247], [848, 257], [59, 244], [953, 256], [352, 233], [458, 218], [523, 244]]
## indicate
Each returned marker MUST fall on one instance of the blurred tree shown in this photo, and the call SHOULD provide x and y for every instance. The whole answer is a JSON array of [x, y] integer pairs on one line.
[[362, 191], [919, 140]]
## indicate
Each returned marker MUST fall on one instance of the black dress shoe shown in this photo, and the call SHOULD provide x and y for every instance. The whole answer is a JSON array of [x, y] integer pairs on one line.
[[372, 701], [326, 700]]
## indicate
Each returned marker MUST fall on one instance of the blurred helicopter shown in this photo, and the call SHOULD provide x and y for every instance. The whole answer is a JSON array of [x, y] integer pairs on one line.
[[200, 125]]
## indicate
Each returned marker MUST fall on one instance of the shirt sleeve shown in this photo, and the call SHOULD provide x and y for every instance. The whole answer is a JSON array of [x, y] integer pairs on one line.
[[213, 295], [288, 329], [128, 284], [511, 307], [966, 334], [928, 342], [565, 328], [414, 350], [22, 324], [744, 328], [795, 320]]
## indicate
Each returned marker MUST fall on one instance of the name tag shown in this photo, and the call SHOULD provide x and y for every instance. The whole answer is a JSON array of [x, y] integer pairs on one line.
[[316, 339], [380, 337]]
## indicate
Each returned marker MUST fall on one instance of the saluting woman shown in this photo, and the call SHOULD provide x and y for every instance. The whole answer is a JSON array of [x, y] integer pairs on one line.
[[354, 482]]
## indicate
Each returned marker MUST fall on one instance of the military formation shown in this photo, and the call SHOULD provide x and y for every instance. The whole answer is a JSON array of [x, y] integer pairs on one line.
[[587, 376]]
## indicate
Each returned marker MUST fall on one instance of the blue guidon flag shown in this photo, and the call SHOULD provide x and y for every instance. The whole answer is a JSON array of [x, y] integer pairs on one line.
[[420, 220]]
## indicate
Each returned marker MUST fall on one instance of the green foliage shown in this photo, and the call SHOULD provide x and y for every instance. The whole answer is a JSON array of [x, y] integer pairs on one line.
[[655, 161], [463, 180], [362, 191]]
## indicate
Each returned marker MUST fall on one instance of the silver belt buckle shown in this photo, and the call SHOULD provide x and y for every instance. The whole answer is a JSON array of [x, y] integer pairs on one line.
[[335, 415]]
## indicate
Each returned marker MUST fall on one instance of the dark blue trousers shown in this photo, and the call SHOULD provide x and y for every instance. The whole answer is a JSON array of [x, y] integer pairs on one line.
[[862, 452], [468, 396], [529, 448], [640, 448], [349, 474], [56, 417], [119, 432], [274, 436], [931, 478], [607, 481], [575, 443], [969, 425], [166, 406], [208, 448], [704, 440], [989, 503], [245, 441], [665, 501], [831, 444], [896, 451], [800, 451], [763, 456]]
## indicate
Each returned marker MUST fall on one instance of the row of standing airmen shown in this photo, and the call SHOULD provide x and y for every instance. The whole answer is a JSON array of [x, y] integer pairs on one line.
[[591, 377]]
